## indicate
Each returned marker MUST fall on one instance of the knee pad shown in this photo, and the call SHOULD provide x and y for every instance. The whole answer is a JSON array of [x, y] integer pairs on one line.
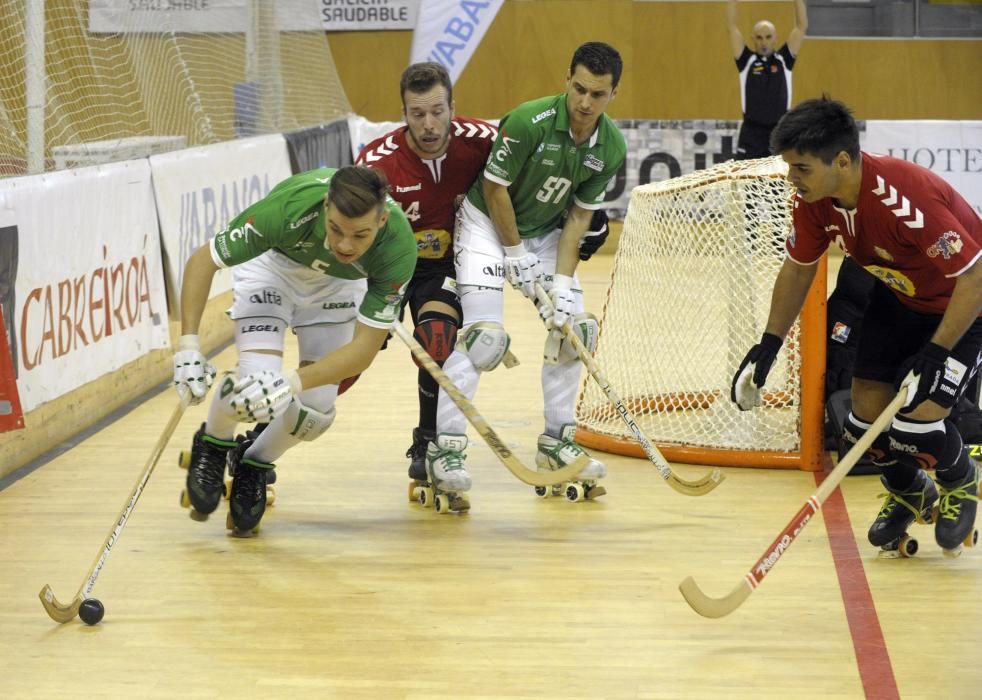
[[559, 350], [311, 413], [485, 343], [934, 445], [437, 333], [879, 452]]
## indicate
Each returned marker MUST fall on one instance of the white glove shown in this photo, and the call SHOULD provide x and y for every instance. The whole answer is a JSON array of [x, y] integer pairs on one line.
[[522, 269], [193, 376], [262, 396], [563, 301]]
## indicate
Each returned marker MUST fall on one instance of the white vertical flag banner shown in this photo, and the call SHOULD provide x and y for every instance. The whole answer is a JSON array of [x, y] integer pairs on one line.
[[448, 31]]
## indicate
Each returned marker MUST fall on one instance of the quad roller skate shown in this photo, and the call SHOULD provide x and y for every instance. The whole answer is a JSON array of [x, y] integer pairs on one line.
[[556, 453], [251, 436], [445, 480], [417, 460], [247, 502], [205, 464], [954, 516]]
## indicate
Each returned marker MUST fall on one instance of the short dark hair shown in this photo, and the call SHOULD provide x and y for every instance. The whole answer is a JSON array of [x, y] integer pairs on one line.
[[822, 126], [421, 77], [357, 189], [600, 59]]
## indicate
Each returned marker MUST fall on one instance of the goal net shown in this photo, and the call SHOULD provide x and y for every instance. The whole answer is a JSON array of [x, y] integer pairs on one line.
[[689, 295], [80, 77]]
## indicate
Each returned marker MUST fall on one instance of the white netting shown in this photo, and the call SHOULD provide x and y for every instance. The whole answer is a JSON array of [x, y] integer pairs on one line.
[[689, 295], [140, 89]]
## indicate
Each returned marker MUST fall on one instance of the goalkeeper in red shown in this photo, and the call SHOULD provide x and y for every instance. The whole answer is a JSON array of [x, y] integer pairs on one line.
[[923, 241], [325, 253], [552, 158]]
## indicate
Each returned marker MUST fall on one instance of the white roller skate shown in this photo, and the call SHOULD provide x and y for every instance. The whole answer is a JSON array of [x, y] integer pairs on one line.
[[556, 453], [447, 479]]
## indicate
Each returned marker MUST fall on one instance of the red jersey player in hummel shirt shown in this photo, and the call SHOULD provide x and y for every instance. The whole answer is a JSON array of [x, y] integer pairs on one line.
[[923, 241], [430, 163]]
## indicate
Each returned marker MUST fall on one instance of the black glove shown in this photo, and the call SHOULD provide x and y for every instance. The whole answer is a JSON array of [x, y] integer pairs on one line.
[[595, 236], [745, 390], [928, 367]]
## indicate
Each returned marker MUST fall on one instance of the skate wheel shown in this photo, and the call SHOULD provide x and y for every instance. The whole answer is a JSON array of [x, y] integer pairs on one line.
[[574, 492], [196, 516], [543, 491], [952, 553], [425, 496], [442, 503], [184, 459], [413, 485], [185, 499], [972, 539], [907, 547], [270, 496], [227, 489]]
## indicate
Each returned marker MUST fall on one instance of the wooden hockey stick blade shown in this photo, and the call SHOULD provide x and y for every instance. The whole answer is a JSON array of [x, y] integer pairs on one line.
[[61, 613], [56, 611], [698, 487], [720, 607], [497, 445]]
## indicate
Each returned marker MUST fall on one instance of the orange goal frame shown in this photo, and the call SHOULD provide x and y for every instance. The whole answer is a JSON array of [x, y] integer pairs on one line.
[[811, 455]]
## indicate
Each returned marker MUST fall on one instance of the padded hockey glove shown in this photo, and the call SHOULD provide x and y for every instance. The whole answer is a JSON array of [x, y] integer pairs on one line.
[[522, 269], [263, 396], [595, 236], [927, 368], [745, 391], [563, 301], [193, 376]]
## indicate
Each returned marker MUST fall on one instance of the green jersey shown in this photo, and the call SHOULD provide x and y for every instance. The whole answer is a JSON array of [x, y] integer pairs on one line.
[[291, 221], [535, 157]]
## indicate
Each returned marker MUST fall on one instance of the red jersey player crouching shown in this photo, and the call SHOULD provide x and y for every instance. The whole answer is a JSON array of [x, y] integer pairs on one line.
[[923, 241], [430, 163]]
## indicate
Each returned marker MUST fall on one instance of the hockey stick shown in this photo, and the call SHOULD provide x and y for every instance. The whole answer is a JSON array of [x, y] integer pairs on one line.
[[698, 487], [720, 607], [497, 445], [64, 613]]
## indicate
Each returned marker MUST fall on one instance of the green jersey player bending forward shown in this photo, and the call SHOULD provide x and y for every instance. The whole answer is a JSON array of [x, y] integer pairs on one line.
[[326, 253], [553, 157]]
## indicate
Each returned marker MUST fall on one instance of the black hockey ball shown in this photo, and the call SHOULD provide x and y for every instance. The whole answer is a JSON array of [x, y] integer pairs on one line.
[[91, 611]]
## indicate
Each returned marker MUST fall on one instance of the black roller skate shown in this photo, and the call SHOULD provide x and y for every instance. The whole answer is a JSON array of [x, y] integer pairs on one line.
[[954, 524], [417, 458], [899, 510], [206, 469], [251, 436], [247, 502]]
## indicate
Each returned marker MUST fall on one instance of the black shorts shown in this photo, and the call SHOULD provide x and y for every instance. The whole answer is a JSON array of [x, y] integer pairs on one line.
[[754, 141], [891, 333], [432, 281]]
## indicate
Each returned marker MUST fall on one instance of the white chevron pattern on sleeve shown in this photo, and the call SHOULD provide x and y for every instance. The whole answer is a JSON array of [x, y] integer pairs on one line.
[[904, 210], [386, 148]]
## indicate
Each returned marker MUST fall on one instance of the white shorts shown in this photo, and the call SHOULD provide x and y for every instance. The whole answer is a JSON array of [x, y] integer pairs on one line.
[[273, 286], [480, 258]]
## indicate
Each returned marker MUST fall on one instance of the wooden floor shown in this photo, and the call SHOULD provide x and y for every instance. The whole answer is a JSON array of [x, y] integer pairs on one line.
[[352, 592]]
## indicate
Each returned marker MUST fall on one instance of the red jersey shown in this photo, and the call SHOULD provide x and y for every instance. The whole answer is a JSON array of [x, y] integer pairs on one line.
[[427, 189], [909, 228]]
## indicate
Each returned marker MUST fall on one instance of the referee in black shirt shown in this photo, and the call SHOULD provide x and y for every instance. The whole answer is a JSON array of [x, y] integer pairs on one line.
[[765, 78]]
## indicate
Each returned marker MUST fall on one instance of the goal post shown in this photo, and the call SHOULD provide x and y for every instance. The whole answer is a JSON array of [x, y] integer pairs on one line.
[[689, 294]]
